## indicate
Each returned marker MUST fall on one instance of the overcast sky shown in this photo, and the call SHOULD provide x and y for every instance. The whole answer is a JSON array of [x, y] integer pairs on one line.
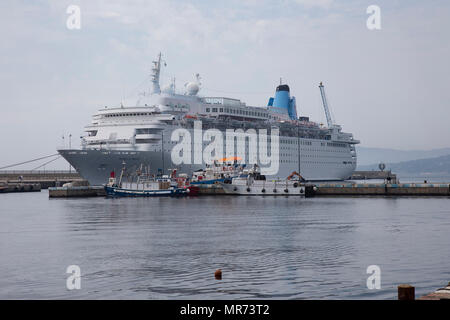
[[389, 87]]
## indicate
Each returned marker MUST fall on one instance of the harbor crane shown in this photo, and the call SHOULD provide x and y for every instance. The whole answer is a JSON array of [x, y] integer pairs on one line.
[[330, 120]]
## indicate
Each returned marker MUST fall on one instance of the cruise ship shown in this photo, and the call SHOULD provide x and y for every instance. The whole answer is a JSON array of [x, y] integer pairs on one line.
[[149, 132]]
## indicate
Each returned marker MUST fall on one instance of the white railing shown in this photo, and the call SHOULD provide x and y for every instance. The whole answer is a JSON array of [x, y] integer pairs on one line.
[[37, 172]]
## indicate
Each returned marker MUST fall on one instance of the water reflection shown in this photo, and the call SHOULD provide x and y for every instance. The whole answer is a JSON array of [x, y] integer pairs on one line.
[[165, 248]]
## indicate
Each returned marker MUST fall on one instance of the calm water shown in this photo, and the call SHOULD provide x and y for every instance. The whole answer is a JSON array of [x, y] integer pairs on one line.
[[280, 248]]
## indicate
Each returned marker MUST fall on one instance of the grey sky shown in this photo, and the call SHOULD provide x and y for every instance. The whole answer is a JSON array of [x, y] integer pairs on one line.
[[389, 87]]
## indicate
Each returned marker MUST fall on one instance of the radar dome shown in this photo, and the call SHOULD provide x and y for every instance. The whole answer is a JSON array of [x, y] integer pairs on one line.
[[192, 88]]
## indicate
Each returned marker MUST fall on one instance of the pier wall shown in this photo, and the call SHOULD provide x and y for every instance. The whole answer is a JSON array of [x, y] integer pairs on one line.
[[45, 178], [19, 187], [404, 189], [76, 192]]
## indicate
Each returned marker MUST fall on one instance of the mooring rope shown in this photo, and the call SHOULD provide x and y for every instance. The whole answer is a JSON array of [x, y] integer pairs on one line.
[[33, 160], [46, 163]]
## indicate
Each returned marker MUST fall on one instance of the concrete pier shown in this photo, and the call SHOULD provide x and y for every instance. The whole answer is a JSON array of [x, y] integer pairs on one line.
[[45, 178], [19, 187], [382, 189], [76, 192]]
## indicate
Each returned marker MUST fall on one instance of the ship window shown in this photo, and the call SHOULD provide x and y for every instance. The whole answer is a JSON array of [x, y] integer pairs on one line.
[[214, 109], [221, 109], [144, 141], [207, 109], [146, 130]]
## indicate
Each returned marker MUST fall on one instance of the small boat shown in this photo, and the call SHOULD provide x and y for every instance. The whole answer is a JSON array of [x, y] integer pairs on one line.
[[221, 170], [145, 186], [252, 182]]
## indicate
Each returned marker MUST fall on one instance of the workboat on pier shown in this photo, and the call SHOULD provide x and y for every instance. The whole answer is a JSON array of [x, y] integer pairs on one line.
[[146, 185], [252, 182], [219, 171]]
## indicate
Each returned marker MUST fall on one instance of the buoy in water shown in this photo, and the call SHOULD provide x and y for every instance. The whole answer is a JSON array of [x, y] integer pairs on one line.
[[218, 274]]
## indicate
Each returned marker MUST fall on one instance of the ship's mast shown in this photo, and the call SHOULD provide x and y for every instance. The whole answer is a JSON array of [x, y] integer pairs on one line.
[[330, 121], [156, 70]]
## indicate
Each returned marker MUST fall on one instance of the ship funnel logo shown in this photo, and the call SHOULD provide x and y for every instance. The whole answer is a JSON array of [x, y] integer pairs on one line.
[[207, 146]]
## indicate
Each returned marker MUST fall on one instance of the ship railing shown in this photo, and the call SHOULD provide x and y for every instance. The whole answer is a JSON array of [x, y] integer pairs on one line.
[[24, 172]]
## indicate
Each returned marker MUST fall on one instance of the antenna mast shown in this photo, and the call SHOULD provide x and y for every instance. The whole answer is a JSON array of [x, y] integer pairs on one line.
[[330, 121]]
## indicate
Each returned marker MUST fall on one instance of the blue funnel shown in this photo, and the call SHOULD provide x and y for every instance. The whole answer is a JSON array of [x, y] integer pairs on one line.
[[284, 102]]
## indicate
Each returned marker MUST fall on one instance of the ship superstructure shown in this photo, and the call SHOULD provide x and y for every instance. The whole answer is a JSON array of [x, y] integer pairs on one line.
[[143, 133]]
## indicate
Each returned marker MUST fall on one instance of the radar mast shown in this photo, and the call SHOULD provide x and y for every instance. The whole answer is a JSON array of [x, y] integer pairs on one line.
[[156, 70]]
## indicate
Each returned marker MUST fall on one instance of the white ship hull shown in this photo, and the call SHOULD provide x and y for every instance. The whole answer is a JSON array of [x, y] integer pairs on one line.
[[315, 163]]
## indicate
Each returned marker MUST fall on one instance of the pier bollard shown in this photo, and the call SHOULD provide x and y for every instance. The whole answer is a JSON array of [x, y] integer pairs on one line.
[[406, 292], [218, 274]]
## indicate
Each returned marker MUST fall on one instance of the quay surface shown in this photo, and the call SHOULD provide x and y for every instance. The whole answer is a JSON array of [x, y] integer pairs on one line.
[[312, 190], [76, 192], [383, 189], [358, 189], [19, 187], [43, 177]]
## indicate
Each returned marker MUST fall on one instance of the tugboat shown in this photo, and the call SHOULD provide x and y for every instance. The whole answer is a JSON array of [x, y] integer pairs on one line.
[[252, 182], [145, 186]]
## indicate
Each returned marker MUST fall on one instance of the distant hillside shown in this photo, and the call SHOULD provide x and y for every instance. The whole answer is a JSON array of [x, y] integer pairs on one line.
[[430, 166], [368, 156]]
